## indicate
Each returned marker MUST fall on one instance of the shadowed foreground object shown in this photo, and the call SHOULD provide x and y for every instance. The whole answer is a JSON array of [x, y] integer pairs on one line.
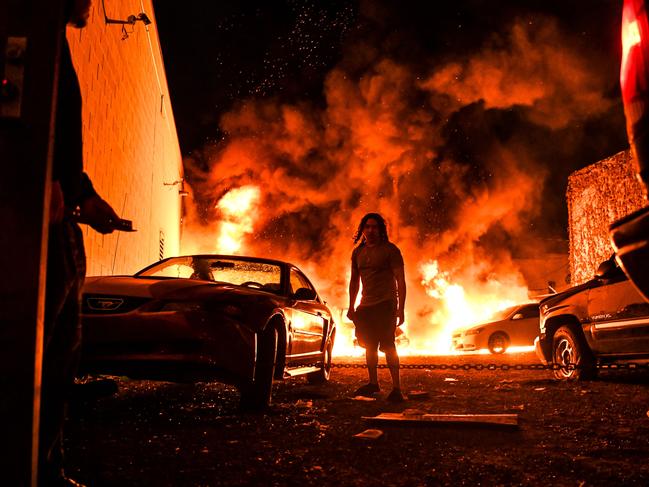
[[630, 235]]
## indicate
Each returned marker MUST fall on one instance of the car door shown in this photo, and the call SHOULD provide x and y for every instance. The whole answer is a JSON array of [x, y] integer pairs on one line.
[[619, 317], [525, 325], [309, 318]]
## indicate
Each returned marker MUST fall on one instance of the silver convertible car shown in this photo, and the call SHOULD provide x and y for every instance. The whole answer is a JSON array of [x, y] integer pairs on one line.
[[240, 320]]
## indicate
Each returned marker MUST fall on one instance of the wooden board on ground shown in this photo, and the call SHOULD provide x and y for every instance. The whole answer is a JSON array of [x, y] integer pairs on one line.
[[421, 417], [370, 434]]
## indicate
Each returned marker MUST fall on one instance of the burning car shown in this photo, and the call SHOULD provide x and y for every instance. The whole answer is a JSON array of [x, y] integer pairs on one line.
[[514, 326], [603, 320], [238, 320]]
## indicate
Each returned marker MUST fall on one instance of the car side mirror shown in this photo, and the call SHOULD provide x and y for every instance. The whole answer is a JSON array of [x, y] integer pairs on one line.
[[605, 268], [304, 294], [517, 316]]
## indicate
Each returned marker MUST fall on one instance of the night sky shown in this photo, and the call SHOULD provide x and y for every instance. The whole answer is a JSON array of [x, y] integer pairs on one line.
[[220, 54]]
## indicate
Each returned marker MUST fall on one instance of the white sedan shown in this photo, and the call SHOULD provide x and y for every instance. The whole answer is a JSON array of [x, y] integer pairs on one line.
[[515, 326]]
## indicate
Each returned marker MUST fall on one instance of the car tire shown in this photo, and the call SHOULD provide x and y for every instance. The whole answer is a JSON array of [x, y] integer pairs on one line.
[[569, 348], [256, 395], [322, 375], [498, 342]]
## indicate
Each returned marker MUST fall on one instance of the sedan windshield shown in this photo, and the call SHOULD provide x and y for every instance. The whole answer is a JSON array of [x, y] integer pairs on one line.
[[261, 275], [503, 313]]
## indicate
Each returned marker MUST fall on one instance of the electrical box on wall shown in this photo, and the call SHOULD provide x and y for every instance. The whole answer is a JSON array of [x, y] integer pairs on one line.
[[13, 76]]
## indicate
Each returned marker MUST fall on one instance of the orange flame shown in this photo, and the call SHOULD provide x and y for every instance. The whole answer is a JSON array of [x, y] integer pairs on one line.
[[462, 306], [237, 208], [374, 145]]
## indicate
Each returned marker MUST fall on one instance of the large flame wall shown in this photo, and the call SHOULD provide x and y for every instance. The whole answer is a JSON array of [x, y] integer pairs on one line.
[[449, 152]]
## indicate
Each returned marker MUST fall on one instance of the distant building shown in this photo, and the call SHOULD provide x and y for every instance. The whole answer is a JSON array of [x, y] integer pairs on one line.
[[543, 264], [598, 195], [131, 148]]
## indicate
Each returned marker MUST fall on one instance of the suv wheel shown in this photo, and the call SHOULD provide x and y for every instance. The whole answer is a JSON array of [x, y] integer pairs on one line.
[[498, 342], [256, 395], [570, 349]]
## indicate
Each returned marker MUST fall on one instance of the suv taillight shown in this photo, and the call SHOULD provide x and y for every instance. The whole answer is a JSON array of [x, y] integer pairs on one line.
[[634, 80]]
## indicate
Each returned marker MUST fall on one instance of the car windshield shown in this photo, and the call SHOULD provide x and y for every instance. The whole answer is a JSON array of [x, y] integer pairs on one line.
[[219, 269], [503, 313]]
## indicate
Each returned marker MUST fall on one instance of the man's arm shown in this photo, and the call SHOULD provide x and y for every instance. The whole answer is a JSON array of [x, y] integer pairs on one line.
[[353, 291], [400, 277]]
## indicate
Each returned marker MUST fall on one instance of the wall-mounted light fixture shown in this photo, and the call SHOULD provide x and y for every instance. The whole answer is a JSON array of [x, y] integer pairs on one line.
[[130, 20], [181, 189]]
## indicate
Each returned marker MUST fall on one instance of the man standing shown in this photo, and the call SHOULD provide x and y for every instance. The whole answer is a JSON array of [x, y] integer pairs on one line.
[[72, 194], [377, 264]]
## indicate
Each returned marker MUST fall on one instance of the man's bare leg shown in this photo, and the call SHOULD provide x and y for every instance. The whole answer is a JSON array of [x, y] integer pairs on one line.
[[372, 361], [392, 358]]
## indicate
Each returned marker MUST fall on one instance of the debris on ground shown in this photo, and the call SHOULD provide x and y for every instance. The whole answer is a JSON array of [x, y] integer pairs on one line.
[[363, 398], [420, 417], [370, 434], [153, 432], [418, 395]]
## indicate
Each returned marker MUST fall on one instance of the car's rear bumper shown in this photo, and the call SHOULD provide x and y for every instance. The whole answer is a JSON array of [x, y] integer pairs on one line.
[[168, 346]]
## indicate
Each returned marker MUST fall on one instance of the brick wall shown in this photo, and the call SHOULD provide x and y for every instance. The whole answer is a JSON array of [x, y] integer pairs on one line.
[[597, 196], [131, 149]]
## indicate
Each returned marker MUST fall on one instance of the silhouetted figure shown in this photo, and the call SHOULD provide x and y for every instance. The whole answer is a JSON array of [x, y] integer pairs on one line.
[[72, 193], [377, 264]]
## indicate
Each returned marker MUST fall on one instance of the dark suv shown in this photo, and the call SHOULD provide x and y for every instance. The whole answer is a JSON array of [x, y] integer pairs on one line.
[[602, 320]]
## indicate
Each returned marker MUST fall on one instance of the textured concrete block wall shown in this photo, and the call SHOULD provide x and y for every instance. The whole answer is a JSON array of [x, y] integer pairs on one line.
[[131, 149], [597, 196]]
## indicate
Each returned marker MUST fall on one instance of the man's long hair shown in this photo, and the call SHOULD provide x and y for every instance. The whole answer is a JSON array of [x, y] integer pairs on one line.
[[383, 231]]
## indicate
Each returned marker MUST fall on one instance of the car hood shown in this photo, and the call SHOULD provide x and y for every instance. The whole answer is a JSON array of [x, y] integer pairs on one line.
[[555, 299], [166, 288]]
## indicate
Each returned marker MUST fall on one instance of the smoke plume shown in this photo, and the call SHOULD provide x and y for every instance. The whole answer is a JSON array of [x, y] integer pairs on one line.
[[433, 148]]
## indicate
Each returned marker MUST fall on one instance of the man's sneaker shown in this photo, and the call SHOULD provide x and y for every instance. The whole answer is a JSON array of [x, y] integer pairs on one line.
[[396, 396], [367, 390]]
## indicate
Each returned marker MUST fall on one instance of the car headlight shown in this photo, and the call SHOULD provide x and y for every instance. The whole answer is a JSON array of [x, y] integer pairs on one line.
[[474, 331]]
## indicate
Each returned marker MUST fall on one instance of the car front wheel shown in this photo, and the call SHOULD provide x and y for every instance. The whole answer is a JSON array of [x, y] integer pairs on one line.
[[256, 395], [571, 353], [498, 342]]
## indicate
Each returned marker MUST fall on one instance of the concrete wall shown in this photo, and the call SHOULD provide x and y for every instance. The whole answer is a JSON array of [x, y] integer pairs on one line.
[[131, 149], [597, 196]]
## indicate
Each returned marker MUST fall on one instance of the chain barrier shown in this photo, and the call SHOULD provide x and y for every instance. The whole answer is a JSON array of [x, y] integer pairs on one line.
[[503, 367]]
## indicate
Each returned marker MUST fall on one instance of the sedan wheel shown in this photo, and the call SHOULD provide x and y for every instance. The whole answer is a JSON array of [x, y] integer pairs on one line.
[[322, 375], [256, 395], [573, 355], [498, 342]]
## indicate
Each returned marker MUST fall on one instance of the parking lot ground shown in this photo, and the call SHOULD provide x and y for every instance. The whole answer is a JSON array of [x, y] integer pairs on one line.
[[159, 433]]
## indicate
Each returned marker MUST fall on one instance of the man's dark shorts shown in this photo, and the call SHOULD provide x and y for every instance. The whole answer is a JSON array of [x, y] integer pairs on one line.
[[376, 324]]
